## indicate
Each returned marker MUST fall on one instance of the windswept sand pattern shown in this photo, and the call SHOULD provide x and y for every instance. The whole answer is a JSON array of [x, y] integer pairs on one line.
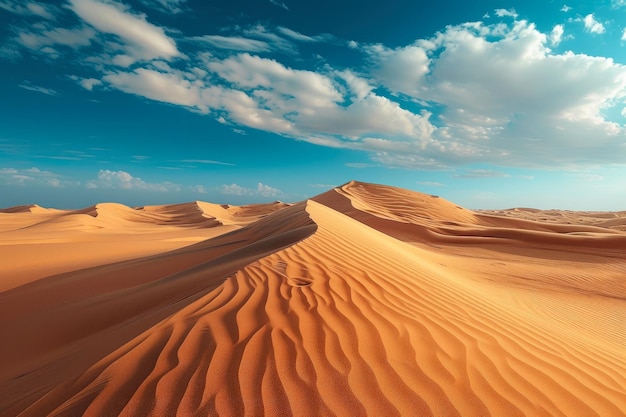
[[331, 307]]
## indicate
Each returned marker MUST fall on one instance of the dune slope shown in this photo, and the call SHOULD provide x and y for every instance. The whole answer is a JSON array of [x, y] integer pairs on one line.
[[365, 301]]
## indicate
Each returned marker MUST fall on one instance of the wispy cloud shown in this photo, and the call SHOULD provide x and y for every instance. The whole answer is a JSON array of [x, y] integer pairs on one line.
[[324, 186], [73, 38], [280, 4], [165, 6], [32, 8], [38, 89], [297, 36], [234, 43], [481, 173], [431, 183], [206, 161]]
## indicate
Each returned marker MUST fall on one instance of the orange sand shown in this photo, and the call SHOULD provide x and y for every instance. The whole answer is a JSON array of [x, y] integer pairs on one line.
[[363, 301]]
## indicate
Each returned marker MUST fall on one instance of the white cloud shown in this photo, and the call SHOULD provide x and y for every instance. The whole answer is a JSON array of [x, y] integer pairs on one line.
[[38, 89], [297, 36], [106, 179], [556, 35], [471, 93], [267, 191], [505, 12], [507, 98], [261, 190], [624, 35], [142, 40], [402, 69], [73, 38], [160, 86], [234, 43], [125, 181], [90, 83], [31, 176], [275, 41], [566, 8], [165, 6], [280, 4], [45, 11], [618, 3], [592, 25]]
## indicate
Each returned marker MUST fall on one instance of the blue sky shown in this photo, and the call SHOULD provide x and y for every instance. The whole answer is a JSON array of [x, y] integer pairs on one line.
[[490, 104]]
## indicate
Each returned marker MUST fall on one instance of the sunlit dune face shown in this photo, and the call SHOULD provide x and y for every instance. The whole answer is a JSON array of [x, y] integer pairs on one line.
[[366, 300]]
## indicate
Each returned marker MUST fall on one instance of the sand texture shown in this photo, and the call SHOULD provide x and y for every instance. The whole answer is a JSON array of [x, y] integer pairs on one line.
[[366, 300]]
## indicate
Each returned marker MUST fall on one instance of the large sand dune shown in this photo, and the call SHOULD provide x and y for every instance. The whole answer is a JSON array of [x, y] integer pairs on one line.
[[363, 301]]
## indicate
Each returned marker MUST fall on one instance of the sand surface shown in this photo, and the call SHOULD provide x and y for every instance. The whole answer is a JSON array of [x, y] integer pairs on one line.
[[366, 300]]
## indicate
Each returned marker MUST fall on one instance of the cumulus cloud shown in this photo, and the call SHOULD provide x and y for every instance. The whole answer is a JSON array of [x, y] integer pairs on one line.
[[507, 96], [89, 83], [556, 35], [401, 69], [261, 190], [506, 12], [592, 25], [125, 181]]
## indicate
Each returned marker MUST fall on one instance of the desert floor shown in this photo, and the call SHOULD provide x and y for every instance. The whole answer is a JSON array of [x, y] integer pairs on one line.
[[366, 300]]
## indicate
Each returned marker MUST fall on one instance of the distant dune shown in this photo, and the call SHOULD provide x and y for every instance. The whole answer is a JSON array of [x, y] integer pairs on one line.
[[366, 300]]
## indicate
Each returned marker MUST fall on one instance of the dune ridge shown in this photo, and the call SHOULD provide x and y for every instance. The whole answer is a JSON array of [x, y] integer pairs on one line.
[[365, 300]]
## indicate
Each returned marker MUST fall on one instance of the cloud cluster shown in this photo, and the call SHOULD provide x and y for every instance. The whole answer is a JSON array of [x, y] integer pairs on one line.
[[31, 8], [472, 93], [29, 176], [261, 190], [124, 181], [105, 180], [508, 98]]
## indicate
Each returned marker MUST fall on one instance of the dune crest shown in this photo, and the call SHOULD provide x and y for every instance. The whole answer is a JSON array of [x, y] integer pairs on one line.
[[363, 301]]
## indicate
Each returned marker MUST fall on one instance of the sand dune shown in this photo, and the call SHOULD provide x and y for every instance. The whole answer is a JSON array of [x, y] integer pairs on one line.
[[363, 301]]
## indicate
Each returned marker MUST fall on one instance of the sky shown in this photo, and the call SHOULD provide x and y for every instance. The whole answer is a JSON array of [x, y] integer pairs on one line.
[[490, 104]]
